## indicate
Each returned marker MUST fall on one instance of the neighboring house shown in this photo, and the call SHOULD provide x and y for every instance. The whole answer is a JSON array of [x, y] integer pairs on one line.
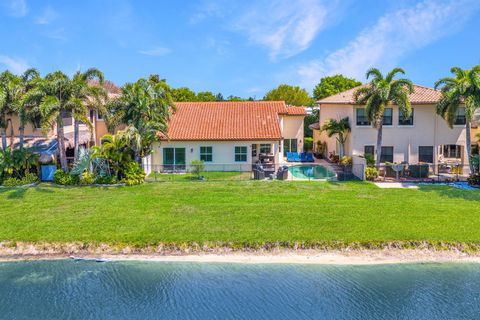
[[424, 137], [230, 136], [45, 142]]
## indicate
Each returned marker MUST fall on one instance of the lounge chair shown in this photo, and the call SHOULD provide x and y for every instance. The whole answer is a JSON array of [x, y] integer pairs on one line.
[[309, 157], [296, 157], [290, 157], [303, 157]]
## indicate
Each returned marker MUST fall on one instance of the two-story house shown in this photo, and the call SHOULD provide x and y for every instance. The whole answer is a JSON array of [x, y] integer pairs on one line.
[[424, 137]]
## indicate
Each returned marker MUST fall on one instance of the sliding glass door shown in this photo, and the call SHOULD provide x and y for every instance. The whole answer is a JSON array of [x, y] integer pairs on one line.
[[174, 158]]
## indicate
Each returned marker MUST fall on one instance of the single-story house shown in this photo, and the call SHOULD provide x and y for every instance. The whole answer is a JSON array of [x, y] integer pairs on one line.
[[229, 136]]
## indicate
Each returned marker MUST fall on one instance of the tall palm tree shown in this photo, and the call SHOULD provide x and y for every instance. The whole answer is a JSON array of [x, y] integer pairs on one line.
[[86, 96], [27, 112], [147, 106], [9, 97], [461, 90], [380, 92], [340, 129]]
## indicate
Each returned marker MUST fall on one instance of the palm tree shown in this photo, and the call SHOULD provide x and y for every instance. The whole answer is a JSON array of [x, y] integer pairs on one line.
[[340, 129], [85, 96], [147, 106], [27, 112], [9, 97], [461, 90], [380, 92]]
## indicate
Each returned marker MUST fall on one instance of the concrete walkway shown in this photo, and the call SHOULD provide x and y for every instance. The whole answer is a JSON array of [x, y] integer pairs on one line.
[[396, 185]]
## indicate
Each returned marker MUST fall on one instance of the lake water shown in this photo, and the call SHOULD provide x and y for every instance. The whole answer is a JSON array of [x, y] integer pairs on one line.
[[68, 289]]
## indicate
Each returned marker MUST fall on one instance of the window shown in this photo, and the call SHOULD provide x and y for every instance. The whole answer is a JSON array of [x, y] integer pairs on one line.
[[265, 148], [386, 154], [240, 154], [460, 118], [362, 119], [388, 116], [174, 158], [405, 122], [206, 154], [289, 145], [425, 154], [99, 116], [369, 150], [451, 151], [254, 150]]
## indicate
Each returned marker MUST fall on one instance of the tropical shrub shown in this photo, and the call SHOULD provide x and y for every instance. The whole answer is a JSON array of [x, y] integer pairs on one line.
[[133, 174], [197, 167], [64, 178], [29, 178], [307, 144], [17, 163], [474, 180], [371, 173], [106, 180], [370, 159], [87, 178], [475, 161]]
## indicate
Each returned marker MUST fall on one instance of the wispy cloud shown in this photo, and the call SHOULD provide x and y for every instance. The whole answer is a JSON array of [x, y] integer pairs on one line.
[[15, 65], [16, 8], [393, 36], [285, 27], [156, 51], [47, 16]]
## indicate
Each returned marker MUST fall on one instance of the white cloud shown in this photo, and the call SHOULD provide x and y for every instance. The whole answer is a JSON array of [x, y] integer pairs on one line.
[[156, 51], [47, 16], [16, 8], [393, 36], [285, 27], [15, 65]]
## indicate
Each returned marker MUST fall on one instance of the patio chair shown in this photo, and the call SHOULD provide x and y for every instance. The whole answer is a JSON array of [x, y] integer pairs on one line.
[[303, 157], [290, 157], [310, 157], [296, 157]]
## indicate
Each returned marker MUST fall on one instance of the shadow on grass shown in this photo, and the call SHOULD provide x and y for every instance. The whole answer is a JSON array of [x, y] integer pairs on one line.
[[14, 193], [451, 192]]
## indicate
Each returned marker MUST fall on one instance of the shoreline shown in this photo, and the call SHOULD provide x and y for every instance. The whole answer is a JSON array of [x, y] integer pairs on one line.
[[275, 256]]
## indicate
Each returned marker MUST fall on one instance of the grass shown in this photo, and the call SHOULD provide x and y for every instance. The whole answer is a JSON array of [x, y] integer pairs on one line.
[[239, 212], [211, 176]]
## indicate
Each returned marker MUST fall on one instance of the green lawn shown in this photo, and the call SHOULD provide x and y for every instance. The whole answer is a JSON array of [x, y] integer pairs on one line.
[[239, 212]]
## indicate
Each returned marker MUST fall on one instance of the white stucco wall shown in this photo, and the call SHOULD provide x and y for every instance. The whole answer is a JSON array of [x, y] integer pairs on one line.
[[223, 152], [428, 129], [292, 128]]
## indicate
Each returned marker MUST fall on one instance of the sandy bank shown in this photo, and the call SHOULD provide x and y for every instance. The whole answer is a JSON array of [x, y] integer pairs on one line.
[[26, 251]]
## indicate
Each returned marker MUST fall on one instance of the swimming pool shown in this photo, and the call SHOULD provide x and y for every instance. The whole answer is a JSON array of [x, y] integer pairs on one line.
[[311, 172]]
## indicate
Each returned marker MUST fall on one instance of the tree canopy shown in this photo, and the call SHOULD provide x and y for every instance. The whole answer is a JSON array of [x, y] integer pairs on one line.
[[292, 95], [331, 85]]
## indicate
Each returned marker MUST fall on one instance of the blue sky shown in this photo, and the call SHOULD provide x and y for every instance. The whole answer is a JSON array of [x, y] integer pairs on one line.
[[241, 48]]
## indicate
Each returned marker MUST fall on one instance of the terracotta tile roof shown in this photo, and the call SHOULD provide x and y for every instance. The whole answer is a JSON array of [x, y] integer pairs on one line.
[[245, 120], [295, 111], [421, 95]]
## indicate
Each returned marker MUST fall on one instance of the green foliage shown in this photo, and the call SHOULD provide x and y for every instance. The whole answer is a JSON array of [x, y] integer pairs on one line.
[[308, 120], [106, 180], [17, 163], [474, 180], [29, 178], [307, 144], [197, 167], [340, 129], [329, 86], [292, 95], [64, 178], [475, 162], [370, 159], [371, 173], [183, 94], [87, 178], [133, 173]]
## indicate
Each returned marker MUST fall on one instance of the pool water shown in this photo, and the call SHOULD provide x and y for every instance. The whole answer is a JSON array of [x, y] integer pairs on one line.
[[311, 171]]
